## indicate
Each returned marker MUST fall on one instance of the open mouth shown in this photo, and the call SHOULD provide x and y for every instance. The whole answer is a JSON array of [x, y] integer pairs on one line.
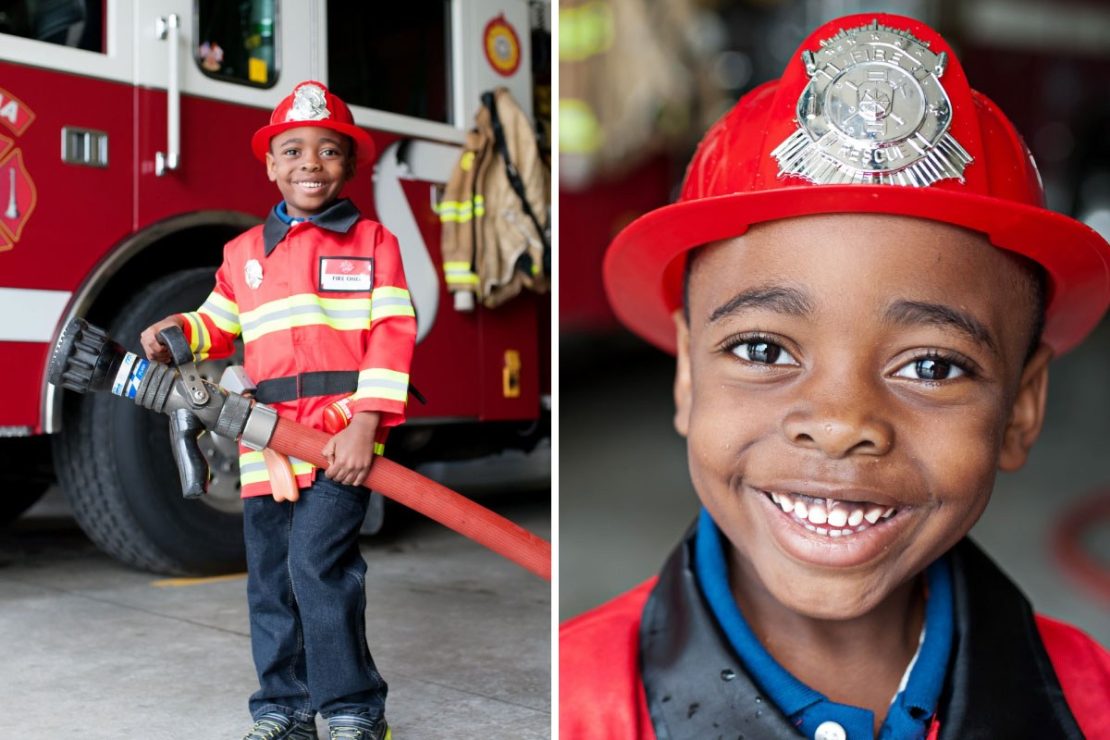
[[310, 185], [830, 517]]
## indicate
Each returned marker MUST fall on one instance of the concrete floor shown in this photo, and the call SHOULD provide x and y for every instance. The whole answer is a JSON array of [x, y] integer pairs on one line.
[[93, 649], [625, 495]]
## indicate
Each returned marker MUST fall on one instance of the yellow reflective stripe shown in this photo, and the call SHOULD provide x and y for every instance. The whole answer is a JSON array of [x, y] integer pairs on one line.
[[459, 273], [219, 300], [382, 383], [222, 312], [389, 301], [252, 467], [461, 211], [579, 129], [306, 309], [200, 342], [379, 448], [585, 31], [468, 279]]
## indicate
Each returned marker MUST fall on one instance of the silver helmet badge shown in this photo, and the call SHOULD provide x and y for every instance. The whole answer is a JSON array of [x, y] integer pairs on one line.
[[309, 104], [873, 112]]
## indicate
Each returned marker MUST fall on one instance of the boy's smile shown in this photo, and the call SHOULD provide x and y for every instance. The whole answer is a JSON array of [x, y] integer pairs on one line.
[[848, 385], [310, 165]]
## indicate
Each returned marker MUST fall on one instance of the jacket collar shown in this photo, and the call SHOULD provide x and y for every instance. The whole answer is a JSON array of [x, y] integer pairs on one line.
[[339, 217], [1000, 681]]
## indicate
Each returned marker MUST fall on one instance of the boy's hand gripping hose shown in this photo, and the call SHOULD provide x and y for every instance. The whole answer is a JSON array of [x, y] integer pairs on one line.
[[86, 359]]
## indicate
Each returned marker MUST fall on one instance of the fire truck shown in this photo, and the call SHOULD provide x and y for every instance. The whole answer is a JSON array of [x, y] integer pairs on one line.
[[125, 166]]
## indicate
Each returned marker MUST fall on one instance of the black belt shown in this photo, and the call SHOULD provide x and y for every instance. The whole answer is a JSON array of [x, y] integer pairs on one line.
[[292, 387], [322, 383]]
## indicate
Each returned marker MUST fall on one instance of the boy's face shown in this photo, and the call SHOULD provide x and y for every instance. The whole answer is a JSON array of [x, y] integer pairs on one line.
[[873, 360], [310, 165]]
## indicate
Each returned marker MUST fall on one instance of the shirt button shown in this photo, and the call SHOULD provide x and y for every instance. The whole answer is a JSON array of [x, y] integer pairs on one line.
[[830, 731]]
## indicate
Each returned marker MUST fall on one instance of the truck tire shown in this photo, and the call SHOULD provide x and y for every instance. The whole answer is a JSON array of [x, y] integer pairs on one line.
[[28, 472], [115, 465]]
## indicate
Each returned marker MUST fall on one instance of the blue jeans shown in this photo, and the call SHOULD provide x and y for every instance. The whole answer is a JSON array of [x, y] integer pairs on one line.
[[307, 596]]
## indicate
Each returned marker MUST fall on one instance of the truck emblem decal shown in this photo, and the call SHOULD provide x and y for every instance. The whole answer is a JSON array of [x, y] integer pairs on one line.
[[874, 112], [502, 46], [17, 196], [14, 113]]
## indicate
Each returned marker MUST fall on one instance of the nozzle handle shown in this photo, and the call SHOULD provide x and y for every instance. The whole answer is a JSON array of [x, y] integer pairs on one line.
[[174, 339], [192, 467]]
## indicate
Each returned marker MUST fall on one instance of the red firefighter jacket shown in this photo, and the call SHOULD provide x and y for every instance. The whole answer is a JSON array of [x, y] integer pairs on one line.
[[633, 668], [321, 295]]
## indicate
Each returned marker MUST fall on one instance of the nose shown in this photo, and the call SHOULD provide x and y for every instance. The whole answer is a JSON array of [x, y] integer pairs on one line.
[[840, 419], [310, 161]]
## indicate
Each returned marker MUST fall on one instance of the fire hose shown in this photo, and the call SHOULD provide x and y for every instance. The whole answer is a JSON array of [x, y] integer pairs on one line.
[[86, 359]]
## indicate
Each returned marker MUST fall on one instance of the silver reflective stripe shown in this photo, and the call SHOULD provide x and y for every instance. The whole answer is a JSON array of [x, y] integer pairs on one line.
[[372, 383], [30, 315], [302, 310]]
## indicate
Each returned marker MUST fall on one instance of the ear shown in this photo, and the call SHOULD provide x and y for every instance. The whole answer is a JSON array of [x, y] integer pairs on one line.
[[683, 392], [271, 167], [1027, 414]]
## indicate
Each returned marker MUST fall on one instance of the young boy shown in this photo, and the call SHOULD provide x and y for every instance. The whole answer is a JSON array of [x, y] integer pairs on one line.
[[863, 291], [319, 296]]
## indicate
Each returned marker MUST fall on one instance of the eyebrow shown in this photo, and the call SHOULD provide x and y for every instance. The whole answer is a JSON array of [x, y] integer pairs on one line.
[[778, 298], [322, 140], [909, 313]]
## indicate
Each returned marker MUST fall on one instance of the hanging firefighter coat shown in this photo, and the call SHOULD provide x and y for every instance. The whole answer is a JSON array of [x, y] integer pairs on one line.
[[494, 212]]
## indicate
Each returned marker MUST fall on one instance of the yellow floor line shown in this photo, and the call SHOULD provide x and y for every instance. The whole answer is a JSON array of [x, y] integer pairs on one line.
[[176, 582]]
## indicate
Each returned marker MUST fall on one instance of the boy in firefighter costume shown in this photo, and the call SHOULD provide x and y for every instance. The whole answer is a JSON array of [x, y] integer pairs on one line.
[[319, 296], [863, 291]]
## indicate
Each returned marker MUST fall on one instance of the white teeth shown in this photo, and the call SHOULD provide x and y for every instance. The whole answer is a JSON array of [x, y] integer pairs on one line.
[[842, 517]]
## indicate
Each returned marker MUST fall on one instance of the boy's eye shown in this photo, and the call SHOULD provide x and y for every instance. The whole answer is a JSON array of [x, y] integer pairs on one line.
[[930, 368], [763, 352], [291, 152]]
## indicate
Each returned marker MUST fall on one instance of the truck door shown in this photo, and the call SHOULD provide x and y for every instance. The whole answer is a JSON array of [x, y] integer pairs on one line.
[[209, 73]]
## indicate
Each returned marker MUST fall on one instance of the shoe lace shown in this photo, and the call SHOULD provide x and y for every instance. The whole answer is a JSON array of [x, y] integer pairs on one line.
[[264, 729]]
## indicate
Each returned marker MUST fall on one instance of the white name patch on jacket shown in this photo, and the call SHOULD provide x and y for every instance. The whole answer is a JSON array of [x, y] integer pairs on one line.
[[346, 274]]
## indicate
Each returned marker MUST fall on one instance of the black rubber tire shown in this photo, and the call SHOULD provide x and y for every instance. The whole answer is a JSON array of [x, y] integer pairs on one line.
[[114, 462], [28, 473]]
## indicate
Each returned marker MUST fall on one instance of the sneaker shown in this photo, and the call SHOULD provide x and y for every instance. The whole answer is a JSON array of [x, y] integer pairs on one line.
[[352, 727], [274, 726]]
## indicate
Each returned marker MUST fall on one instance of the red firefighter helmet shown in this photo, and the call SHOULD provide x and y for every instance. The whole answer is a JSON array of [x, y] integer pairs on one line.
[[312, 104], [873, 115]]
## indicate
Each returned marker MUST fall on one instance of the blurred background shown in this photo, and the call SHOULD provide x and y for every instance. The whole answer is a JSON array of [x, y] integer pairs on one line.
[[640, 81]]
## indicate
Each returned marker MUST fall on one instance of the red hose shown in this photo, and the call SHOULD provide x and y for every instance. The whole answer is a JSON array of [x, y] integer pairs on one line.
[[429, 498]]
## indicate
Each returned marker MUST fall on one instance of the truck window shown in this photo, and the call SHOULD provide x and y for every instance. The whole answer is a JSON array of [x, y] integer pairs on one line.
[[76, 23], [365, 42], [235, 41]]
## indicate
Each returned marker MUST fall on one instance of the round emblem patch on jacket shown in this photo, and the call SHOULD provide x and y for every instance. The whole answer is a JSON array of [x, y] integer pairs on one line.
[[253, 273]]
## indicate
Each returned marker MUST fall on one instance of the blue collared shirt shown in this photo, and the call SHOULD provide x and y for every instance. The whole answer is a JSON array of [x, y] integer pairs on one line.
[[912, 708], [282, 213]]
